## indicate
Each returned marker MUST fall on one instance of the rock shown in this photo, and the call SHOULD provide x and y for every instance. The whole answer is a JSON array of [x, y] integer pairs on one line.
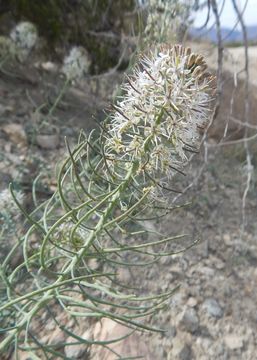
[[16, 134], [131, 346], [206, 271], [49, 66], [92, 263], [218, 263], [234, 342], [76, 351], [180, 351], [49, 142], [192, 302], [213, 308], [227, 239], [179, 298], [188, 320], [204, 342]]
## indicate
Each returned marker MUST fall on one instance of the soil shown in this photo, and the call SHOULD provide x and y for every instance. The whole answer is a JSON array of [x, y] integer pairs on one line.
[[213, 315]]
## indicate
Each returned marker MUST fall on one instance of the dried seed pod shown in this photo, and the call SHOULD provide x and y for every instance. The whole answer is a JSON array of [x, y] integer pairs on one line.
[[191, 60], [199, 60], [187, 51]]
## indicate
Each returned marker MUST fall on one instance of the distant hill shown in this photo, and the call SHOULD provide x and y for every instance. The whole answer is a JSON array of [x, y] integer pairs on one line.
[[227, 34]]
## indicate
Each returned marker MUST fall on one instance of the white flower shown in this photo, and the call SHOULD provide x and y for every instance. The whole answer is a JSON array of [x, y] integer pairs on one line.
[[25, 36], [76, 64], [166, 104]]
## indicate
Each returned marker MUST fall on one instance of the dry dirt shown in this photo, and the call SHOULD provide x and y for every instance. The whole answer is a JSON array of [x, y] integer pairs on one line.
[[213, 316]]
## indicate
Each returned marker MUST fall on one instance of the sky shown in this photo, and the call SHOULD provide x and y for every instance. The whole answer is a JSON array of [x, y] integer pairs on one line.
[[228, 16]]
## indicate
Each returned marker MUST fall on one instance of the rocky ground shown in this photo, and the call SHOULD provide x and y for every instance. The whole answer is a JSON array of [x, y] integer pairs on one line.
[[213, 315]]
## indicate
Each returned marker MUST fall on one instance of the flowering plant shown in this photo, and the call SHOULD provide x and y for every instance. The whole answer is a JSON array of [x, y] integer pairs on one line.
[[94, 224]]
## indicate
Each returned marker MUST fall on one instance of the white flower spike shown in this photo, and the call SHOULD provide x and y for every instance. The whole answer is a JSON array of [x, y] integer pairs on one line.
[[160, 118], [76, 64], [24, 36]]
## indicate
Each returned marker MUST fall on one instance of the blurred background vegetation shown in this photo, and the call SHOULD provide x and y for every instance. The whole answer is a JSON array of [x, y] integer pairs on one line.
[[97, 25]]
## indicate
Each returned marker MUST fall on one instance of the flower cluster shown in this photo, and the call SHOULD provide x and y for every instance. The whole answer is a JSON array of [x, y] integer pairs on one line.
[[159, 120], [24, 36], [76, 64]]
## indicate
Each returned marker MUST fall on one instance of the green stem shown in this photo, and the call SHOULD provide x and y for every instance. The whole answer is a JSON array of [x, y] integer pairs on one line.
[[48, 291]]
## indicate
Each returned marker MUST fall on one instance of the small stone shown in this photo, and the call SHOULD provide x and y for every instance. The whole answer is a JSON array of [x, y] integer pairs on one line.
[[219, 264], [204, 342], [16, 134], [49, 66], [213, 308], [234, 342], [227, 239], [192, 302], [180, 351], [49, 142], [206, 271], [93, 264], [188, 320], [130, 347]]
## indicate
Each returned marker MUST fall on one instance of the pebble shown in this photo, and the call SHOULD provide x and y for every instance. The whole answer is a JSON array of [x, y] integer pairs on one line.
[[49, 66], [227, 239], [234, 342], [49, 142], [192, 302], [16, 134], [206, 271], [188, 320], [213, 308]]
